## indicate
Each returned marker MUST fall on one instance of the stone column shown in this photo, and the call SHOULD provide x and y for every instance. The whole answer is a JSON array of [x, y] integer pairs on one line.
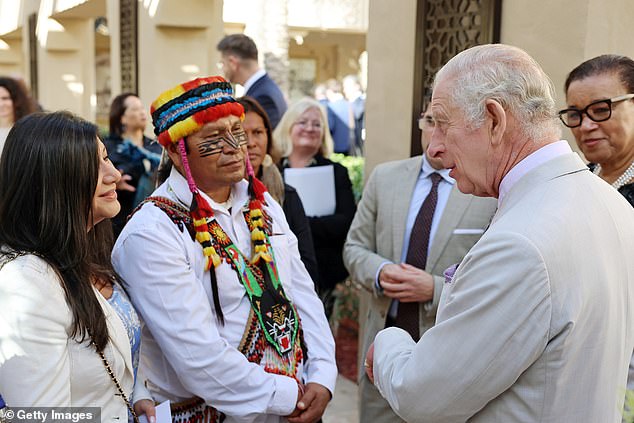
[[389, 104], [562, 34], [174, 43], [66, 65], [268, 28]]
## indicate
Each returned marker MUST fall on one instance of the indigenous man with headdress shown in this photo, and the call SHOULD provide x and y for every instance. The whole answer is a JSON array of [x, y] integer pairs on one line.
[[233, 331]]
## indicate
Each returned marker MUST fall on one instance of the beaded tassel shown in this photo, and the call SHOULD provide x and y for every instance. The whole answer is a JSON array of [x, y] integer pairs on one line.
[[260, 249]]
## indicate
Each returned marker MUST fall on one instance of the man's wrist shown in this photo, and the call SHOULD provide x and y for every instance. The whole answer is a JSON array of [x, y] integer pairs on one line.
[[377, 281]]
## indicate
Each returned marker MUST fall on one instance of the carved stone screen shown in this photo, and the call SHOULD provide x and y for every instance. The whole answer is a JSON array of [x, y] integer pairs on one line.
[[128, 42], [33, 74], [444, 28]]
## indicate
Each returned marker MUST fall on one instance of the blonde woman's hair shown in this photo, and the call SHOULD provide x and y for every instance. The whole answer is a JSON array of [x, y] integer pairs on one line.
[[282, 134]]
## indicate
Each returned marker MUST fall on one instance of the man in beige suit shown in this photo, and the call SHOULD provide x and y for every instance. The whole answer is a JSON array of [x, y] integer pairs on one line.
[[380, 237], [537, 324]]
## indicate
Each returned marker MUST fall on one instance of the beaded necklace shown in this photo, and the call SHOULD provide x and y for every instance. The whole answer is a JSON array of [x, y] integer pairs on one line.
[[275, 313], [621, 180]]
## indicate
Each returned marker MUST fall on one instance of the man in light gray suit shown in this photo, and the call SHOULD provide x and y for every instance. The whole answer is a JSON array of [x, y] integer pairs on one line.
[[537, 324], [379, 239]]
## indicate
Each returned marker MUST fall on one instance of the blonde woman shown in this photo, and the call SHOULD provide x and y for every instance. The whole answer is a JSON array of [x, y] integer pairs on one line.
[[303, 140]]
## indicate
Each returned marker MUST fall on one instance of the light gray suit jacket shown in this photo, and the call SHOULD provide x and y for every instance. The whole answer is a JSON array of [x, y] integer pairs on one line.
[[538, 322], [376, 236]]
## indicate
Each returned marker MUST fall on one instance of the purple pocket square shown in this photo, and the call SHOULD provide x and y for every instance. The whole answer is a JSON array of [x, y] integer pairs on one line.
[[450, 272]]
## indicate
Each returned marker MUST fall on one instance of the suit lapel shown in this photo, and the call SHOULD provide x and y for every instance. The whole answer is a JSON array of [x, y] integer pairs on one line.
[[401, 200], [455, 208]]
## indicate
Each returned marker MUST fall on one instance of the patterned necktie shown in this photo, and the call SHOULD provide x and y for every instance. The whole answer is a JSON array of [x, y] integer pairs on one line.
[[407, 314]]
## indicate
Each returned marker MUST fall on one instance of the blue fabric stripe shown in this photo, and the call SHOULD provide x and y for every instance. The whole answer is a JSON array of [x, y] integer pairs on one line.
[[188, 107]]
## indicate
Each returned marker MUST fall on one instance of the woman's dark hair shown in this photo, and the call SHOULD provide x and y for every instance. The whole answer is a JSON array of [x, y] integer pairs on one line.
[[250, 104], [117, 109], [48, 176], [623, 66], [22, 103]]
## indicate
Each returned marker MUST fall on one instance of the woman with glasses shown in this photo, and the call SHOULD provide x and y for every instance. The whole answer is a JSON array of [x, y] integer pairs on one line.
[[600, 113], [303, 139]]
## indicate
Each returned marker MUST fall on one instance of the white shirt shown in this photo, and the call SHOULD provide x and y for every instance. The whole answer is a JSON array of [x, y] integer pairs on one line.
[[529, 163], [186, 352], [4, 133], [249, 82]]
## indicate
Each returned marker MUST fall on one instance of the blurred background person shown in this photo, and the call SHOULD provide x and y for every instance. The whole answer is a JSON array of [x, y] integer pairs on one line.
[[135, 155], [259, 133], [70, 335], [303, 140], [353, 92], [600, 113], [319, 94], [239, 64], [340, 118], [15, 103]]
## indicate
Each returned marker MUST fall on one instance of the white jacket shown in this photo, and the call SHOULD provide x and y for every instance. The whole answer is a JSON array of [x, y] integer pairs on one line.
[[39, 364]]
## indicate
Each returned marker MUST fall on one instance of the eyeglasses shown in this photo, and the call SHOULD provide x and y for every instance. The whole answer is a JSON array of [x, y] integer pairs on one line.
[[426, 122], [309, 124], [597, 111], [215, 145]]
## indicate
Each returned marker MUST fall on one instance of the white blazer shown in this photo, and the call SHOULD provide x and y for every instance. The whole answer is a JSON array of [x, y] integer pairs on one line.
[[40, 365]]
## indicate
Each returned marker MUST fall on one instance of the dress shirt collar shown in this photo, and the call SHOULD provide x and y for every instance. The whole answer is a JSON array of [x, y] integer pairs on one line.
[[177, 185], [529, 163], [257, 75], [427, 169]]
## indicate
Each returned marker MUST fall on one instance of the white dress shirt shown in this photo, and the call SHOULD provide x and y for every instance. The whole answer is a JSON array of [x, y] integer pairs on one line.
[[249, 82], [529, 163], [186, 352]]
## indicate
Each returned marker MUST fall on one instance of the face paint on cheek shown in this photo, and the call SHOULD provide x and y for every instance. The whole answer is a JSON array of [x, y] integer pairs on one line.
[[209, 147]]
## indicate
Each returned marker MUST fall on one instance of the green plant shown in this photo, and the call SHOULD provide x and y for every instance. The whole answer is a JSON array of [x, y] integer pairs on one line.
[[346, 302], [628, 409], [355, 165]]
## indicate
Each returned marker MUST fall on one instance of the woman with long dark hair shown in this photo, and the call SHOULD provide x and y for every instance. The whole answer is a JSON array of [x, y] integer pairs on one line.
[[66, 326]]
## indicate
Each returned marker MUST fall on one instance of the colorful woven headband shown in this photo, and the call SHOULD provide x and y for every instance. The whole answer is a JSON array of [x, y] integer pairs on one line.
[[185, 108]]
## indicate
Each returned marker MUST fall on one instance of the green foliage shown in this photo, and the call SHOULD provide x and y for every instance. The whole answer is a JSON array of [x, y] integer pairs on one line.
[[628, 412], [346, 302], [354, 164]]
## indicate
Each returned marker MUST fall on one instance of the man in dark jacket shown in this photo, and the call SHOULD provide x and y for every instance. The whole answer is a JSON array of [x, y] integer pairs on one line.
[[240, 66]]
